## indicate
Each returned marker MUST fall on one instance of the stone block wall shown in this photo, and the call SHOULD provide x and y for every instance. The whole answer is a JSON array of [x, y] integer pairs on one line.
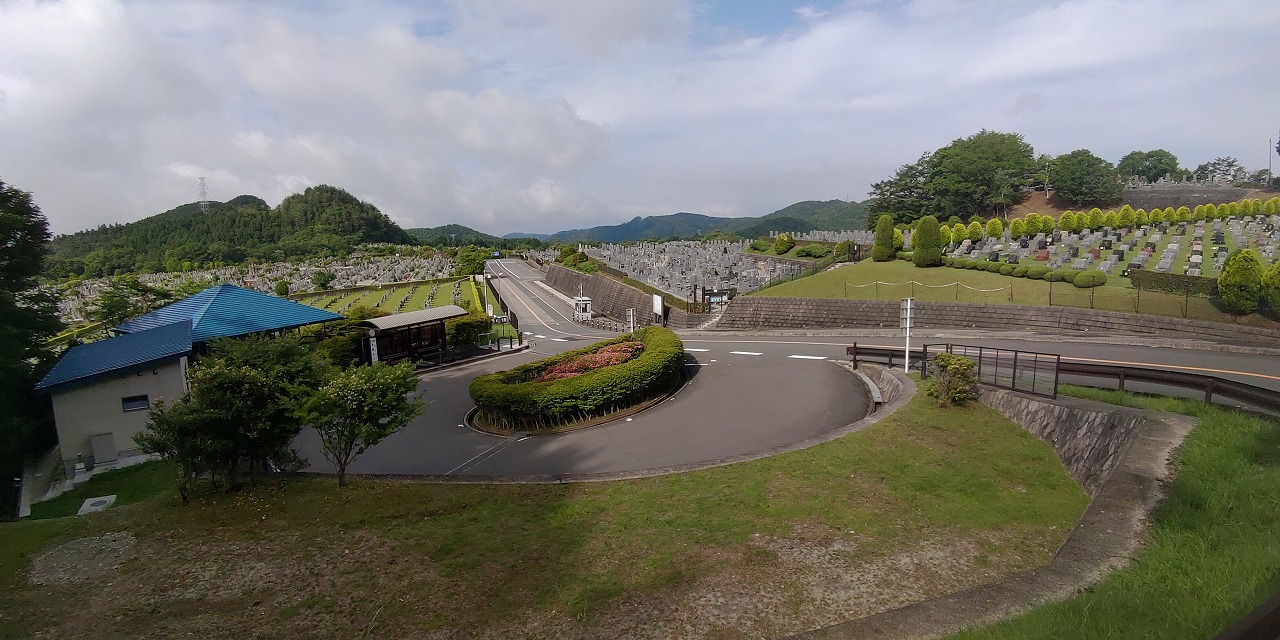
[[1090, 439], [753, 312], [1181, 196], [613, 298]]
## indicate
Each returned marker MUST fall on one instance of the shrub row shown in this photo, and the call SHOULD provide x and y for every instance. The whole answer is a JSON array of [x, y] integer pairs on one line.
[[1082, 279], [1174, 283], [513, 400]]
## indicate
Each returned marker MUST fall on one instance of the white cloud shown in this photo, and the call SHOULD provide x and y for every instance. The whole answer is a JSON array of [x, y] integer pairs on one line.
[[542, 115]]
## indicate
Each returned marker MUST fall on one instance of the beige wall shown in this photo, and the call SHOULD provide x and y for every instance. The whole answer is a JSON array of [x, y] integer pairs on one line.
[[93, 409]]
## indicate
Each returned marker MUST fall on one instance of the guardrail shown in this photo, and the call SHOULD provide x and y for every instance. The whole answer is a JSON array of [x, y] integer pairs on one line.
[[1213, 387]]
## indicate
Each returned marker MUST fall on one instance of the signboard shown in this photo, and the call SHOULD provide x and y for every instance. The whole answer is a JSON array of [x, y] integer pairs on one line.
[[373, 345], [717, 296], [906, 316], [657, 304], [497, 253]]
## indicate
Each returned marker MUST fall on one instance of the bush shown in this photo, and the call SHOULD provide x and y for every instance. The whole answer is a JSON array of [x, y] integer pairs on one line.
[[1007, 270], [783, 243], [1240, 284], [813, 251], [993, 267], [762, 244], [883, 249], [1039, 273], [513, 400], [1090, 278], [1057, 275], [903, 255], [467, 330], [953, 380], [1271, 288], [926, 243], [1020, 271]]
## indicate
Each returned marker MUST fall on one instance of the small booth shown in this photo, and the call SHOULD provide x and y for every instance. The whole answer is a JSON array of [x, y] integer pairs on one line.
[[415, 335], [581, 309]]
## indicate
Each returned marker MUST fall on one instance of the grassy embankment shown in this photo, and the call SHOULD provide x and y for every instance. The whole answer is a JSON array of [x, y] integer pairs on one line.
[[945, 284], [1213, 547], [297, 556]]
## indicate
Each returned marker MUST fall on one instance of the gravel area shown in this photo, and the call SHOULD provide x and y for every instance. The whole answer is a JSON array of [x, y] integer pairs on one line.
[[82, 560]]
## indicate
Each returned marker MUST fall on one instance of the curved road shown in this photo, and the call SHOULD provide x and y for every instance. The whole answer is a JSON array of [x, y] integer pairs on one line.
[[746, 394]]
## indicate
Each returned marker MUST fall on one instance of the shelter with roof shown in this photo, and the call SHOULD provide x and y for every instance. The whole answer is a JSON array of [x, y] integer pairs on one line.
[[102, 390], [413, 335]]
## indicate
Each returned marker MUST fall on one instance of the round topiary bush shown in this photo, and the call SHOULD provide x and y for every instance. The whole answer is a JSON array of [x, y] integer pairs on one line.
[[1057, 275], [926, 243], [1090, 278], [1020, 271], [581, 384], [1240, 283], [1039, 273], [1007, 270], [993, 267]]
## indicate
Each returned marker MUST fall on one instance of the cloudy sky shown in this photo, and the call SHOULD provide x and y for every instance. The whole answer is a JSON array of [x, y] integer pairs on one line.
[[542, 115]]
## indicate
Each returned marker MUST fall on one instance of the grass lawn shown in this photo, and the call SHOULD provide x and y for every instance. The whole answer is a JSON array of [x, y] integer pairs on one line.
[[922, 503], [394, 295], [791, 255], [945, 284], [1213, 549]]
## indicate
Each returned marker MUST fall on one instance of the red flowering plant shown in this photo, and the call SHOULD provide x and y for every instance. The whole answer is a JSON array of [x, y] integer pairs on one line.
[[604, 357]]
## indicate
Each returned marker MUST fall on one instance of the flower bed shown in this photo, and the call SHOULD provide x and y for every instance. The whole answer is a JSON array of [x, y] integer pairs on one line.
[[580, 385]]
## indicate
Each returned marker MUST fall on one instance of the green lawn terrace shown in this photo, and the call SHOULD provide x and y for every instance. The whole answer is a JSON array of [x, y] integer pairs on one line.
[[400, 297], [1190, 248]]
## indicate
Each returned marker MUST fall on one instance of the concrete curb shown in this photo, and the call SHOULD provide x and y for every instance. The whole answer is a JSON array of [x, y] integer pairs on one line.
[[1104, 540]]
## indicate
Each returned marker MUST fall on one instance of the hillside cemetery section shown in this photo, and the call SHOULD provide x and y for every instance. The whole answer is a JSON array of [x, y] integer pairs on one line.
[[1190, 248], [679, 267]]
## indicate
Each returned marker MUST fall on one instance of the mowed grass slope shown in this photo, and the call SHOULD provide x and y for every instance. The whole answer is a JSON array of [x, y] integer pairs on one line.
[[300, 558], [856, 281], [1213, 547]]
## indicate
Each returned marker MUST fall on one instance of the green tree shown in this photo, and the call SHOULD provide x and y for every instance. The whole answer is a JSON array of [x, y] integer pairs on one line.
[[470, 260], [194, 439], [282, 288], [882, 251], [322, 279], [984, 173], [126, 297], [995, 228], [1140, 218], [1222, 169], [783, 243], [975, 231], [1271, 288], [358, 408], [28, 317], [959, 233], [899, 240], [926, 243], [944, 235], [953, 380], [1082, 178], [1240, 283], [1069, 221], [1111, 219], [903, 196], [1017, 228], [1150, 166]]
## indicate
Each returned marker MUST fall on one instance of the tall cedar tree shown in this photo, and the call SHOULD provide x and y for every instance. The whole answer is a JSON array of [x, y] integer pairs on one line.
[[883, 249], [28, 317], [926, 243]]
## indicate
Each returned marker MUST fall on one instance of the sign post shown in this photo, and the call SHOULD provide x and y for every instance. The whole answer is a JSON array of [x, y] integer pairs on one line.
[[631, 319], [907, 319]]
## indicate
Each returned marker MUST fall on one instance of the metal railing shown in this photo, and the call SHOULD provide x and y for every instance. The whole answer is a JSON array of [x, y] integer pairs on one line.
[[1026, 371]]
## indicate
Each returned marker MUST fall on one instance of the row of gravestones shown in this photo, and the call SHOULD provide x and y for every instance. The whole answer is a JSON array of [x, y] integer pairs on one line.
[[682, 267]]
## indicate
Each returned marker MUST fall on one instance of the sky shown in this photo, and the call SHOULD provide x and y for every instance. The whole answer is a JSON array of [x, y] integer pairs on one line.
[[545, 115]]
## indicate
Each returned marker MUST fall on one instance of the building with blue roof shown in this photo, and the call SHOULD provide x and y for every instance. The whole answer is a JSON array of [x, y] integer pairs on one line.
[[102, 391], [227, 311]]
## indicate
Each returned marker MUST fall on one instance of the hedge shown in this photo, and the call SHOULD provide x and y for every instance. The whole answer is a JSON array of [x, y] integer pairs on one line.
[[513, 399], [1090, 278], [1173, 283], [1039, 273]]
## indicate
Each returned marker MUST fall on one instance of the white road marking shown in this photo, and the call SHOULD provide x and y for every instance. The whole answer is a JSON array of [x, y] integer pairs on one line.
[[808, 357], [559, 340], [528, 333], [688, 349], [541, 337], [747, 353]]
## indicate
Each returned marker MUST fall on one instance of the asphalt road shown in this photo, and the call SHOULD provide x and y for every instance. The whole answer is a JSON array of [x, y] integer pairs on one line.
[[746, 394]]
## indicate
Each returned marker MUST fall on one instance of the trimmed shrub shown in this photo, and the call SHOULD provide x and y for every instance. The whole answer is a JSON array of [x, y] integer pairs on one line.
[[993, 267], [1020, 271], [1007, 270], [1176, 283], [1039, 273], [1057, 275], [813, 251], [783, 243], [975, 231], [903, 255], [883, 249], [995, 228], [1271, 288], [959, 233], [953, 380], [944, 235], [899, 240], [513, 399], [1069, 221], [762, 244], [468, 329], [1240, 284], [1090, 278], [926, 243], [1017, 228]]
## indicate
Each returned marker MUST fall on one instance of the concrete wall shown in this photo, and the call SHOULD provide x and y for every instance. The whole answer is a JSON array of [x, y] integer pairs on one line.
[[752, 312], [1181, 196], [1090, 439], [95, 409], [612, 298]]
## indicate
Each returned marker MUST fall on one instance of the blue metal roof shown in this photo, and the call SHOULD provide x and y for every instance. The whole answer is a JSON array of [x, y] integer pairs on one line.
[[85, 362], [227, 310]]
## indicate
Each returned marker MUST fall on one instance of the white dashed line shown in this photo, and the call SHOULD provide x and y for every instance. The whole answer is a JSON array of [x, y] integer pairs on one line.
[[558, 340], [541, 337], [746, 353], [700, 350], [808, 357]]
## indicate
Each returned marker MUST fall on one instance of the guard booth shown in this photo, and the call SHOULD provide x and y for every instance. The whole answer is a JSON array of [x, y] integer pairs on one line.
[[581, 309], [415, 335]]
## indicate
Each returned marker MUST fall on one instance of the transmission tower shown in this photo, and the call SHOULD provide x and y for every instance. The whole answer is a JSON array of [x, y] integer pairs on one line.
[[204, 197]]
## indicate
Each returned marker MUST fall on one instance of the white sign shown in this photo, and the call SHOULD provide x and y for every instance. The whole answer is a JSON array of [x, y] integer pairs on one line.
[[373, 345], [907, 320], [657, 304]]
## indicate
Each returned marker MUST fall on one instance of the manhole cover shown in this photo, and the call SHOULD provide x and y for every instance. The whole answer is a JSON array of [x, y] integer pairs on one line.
[[96, 504]]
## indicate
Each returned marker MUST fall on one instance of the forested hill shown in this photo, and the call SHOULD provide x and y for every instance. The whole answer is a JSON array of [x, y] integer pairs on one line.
[[810, 215], [321, 220]]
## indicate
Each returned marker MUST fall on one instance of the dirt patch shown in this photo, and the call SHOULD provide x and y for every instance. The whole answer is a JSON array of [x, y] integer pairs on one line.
[[82, 560]]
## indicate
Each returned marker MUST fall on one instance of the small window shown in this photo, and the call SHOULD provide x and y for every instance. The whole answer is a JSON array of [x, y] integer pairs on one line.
[[135, 403]]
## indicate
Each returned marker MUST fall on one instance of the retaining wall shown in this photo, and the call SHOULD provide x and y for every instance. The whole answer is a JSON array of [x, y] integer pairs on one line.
[[752, 312], [613, 298], [1089, 442]]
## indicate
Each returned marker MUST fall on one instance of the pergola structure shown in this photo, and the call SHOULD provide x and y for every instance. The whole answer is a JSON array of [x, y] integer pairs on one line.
[[414, 335]]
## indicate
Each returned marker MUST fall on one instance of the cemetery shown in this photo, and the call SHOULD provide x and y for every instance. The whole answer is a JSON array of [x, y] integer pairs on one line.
[[687, 268], [399, 298]]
